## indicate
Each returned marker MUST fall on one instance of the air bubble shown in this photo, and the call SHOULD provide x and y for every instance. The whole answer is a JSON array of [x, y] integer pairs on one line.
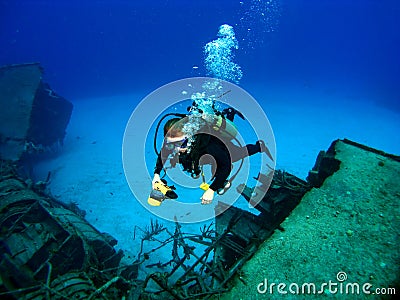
[[219, 56], [262, 17]]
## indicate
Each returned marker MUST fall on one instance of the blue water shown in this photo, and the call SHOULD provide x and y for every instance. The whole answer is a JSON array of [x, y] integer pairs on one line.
[[321, 70], [96, 48]]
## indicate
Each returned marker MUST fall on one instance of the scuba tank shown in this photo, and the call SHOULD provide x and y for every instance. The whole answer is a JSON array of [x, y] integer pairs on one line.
[[225, 128]]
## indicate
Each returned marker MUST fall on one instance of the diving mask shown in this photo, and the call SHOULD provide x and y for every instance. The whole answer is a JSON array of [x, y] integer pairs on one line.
[[176, 144]]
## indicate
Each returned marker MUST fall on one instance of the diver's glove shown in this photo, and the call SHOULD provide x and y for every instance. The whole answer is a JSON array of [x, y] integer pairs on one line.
[[156, 178], [207, 197]]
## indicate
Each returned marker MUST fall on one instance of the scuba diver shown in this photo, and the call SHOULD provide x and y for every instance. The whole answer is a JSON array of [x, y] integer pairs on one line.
[[212, 145]]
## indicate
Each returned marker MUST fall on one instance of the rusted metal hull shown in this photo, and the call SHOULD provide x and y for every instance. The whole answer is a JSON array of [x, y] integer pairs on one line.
[[32, 116], [47, 249]]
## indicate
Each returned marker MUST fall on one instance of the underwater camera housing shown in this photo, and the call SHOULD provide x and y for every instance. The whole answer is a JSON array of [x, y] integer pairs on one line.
[[161, 192]]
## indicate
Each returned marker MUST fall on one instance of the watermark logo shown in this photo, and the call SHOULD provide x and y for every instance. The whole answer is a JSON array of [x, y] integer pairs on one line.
[[339, 286], [139, 142]]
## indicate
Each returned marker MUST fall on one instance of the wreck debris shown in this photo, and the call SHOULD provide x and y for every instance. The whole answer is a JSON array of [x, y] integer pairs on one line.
[[325, 165], [47, 250], [203, 264], [33, 117]]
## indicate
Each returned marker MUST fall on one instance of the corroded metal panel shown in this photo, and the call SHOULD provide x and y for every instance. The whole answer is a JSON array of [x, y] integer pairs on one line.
[[18, 86]]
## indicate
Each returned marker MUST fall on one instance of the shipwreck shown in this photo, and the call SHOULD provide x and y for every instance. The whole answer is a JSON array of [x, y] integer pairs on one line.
[[49, 250]]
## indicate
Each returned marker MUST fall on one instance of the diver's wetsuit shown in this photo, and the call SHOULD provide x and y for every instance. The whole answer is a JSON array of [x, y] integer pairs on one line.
[[219, 151]]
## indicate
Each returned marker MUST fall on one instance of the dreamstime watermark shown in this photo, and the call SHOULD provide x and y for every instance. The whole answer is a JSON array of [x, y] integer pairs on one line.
[[331, 287], [140, 139]]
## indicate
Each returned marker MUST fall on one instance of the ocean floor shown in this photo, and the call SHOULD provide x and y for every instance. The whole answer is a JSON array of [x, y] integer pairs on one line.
[[88, 169]]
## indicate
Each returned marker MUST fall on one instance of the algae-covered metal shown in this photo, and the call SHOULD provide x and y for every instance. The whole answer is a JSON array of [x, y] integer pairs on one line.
[[32, 116], [48, 250]]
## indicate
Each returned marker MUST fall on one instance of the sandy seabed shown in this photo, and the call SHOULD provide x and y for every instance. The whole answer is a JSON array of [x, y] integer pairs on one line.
[[89, 170]]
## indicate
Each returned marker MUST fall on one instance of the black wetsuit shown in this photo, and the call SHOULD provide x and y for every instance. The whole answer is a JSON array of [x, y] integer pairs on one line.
[[219, 151]]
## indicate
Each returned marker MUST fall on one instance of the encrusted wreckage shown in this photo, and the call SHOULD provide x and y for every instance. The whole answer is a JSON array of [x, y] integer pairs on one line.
[[220, 250], [33, 118], [48, 250]]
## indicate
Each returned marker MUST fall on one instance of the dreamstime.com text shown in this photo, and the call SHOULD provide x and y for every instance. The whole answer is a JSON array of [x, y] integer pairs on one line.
[[330, 287]]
